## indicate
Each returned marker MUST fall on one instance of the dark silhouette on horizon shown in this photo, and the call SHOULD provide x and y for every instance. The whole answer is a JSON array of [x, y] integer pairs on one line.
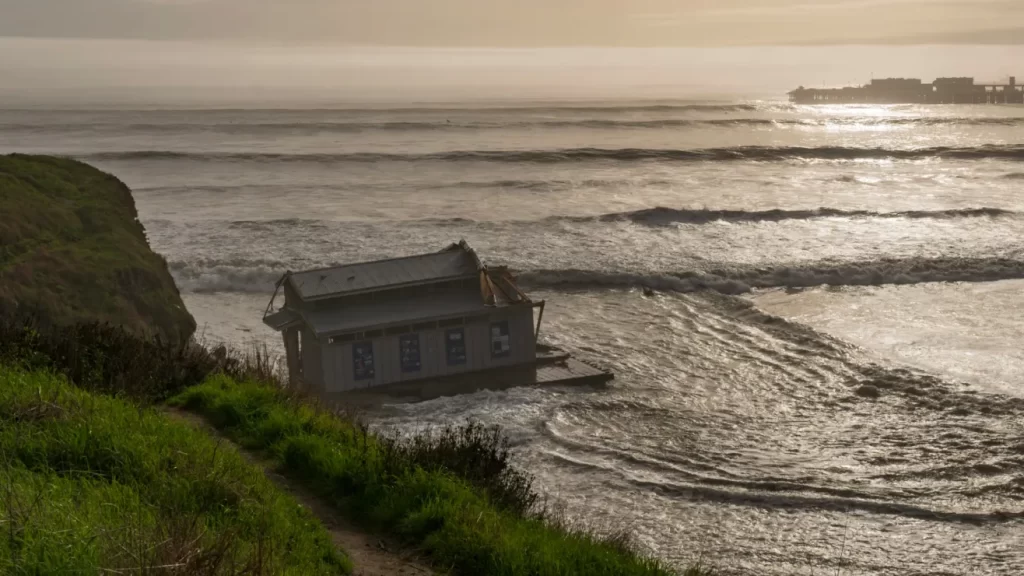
[[915, 91]]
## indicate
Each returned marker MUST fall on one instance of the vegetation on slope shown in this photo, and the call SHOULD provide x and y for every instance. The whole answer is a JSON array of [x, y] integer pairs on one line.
[[455, 494], [72, 249], [106, 358], [459, 523], [91, 485]]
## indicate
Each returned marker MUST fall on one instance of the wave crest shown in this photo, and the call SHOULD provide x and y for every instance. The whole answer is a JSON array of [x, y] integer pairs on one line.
[[357, 125], [212, 276], [663, 216], [733, 154], [743, 280]]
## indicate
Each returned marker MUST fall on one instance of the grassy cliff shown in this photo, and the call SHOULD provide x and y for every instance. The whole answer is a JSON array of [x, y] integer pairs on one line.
[[72, 250], [95, 485]]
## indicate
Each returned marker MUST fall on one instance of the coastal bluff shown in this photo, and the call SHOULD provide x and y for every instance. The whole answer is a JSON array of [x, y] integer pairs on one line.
[[72, 250]]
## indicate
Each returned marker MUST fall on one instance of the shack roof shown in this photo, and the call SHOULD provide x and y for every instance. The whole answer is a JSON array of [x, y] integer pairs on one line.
[[456, 261], [495, 287], [396, 313]]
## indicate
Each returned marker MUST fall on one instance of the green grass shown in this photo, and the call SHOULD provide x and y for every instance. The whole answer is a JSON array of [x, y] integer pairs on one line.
[[90, 484], [72, 250], [452, 521]]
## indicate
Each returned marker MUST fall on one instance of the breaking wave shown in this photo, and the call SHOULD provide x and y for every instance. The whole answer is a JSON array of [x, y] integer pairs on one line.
[[212, 276], [259, 276], [442, 124], [740, 153], [742, 280], [799, 501], [663, 216], [554, 185]]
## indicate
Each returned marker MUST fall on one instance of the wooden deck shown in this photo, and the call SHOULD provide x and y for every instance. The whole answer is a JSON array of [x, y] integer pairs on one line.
[[550, 370], [570, 372]]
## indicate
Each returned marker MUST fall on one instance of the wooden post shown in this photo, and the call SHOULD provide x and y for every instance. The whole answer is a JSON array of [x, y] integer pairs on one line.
[[540, 319]]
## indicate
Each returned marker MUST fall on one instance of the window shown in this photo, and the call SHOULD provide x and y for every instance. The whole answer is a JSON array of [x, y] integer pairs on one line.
[[342, 339], [362, 361], [409, 352], [500, 345], [455, 346]]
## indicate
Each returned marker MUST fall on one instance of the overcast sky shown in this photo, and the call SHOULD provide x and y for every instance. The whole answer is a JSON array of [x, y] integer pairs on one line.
[[526, 23]]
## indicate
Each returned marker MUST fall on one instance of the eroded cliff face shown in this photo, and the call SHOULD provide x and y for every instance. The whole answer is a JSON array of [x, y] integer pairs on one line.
[[73, 250]]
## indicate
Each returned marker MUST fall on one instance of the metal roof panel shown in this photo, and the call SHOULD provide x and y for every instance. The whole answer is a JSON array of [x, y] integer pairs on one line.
[[369, 276], [394, 313]]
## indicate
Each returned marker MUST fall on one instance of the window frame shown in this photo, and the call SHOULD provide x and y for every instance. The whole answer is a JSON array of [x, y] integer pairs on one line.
[[371, 373], [448, 350], [402, 339], [507, 351]]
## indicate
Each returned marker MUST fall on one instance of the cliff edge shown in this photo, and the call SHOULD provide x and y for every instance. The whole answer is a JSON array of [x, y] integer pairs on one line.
[[73, 250]]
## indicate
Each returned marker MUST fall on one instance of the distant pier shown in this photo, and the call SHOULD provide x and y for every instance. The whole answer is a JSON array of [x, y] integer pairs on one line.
[[914, 91]]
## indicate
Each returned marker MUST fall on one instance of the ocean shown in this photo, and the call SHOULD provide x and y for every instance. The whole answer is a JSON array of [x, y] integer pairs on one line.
[[804, 259]]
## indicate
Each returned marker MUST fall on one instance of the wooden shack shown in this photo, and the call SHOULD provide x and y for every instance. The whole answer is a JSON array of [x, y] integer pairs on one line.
[[374, 324]]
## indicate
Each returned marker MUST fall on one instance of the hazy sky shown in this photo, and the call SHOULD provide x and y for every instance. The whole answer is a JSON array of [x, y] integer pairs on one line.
[[526, 23], [79, 72], [328, 51]]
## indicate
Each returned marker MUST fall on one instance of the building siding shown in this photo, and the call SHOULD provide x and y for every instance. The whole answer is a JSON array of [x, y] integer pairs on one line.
[[336, 364], [312, 364], [330, 367]]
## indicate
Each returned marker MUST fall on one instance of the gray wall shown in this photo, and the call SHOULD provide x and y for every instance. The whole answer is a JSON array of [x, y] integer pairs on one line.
[[337, 358], [312, 360]]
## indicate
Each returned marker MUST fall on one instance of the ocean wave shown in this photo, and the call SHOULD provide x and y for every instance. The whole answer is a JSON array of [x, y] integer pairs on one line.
[[571, 155], [233, 275], [741, 280], [259, 276], [779, 494], [664, 216], [653, 217], [344, 127], [554, 185], [1014, 176], [359, 126], [774, 500]]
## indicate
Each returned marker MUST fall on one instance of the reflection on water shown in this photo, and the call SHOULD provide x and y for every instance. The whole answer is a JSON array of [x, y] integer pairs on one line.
[[970, 332]]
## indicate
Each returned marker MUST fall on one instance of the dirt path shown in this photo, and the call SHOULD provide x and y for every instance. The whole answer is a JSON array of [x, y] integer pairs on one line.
[[371, 555]]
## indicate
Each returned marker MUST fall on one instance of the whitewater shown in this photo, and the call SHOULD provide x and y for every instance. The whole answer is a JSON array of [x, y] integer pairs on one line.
[[828, 375]]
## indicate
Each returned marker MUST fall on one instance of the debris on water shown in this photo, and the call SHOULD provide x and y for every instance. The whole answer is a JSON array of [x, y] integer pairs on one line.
[[868, 391], [648, 291]]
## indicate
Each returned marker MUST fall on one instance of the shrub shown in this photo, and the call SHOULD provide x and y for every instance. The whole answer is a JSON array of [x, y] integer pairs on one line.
[[104, 358], [476, 453]]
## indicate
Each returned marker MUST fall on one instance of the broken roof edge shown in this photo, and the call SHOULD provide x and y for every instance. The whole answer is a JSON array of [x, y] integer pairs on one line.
[[501, 278], [282, 319], [464, 246], [277, 288]]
